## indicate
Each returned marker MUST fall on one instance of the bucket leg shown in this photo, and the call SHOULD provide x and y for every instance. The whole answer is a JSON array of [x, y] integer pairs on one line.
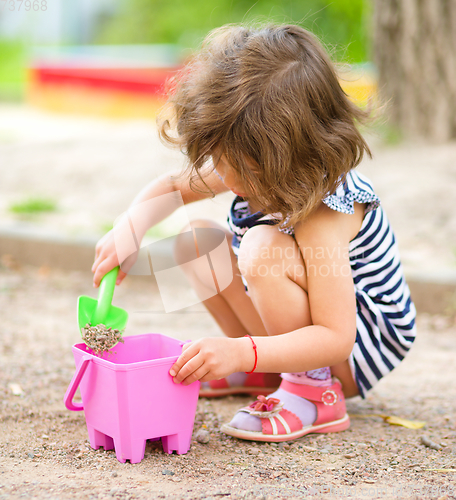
[[179, 442], [132, 450], [98, 439]]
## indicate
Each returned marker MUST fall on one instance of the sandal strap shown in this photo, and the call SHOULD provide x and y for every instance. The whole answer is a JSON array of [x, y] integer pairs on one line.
[[286, 422], [329, 400], [260, 379], [328, 395], [219, 384]]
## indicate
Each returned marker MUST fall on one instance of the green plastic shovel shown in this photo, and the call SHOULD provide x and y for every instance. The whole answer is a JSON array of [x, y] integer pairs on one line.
[[94, 311]]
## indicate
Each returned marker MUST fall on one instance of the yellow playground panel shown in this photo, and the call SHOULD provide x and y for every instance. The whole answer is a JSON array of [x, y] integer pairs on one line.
[[360, 84]]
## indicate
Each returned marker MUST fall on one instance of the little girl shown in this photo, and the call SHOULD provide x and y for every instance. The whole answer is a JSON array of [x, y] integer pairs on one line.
[[318, 293]]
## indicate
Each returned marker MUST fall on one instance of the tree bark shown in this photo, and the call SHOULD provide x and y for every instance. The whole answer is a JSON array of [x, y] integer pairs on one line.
[[415, 53]]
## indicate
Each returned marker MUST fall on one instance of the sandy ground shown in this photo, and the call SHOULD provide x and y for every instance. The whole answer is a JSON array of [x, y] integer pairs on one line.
[[93, 168], [44, 449]]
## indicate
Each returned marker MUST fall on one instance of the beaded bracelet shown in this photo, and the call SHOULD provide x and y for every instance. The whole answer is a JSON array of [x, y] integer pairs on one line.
[[255, 351]]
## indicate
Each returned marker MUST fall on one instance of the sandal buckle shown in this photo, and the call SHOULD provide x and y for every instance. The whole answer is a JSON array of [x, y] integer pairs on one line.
[[329, 397]]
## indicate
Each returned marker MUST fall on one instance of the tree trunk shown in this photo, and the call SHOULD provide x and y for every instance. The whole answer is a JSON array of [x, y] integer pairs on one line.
[[415, 53]]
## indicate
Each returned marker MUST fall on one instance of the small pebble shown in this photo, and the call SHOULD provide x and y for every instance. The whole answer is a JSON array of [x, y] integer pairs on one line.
[[114, 474], [254, 451], [307, 448], [430, 444], [203, 436], [16, 389], [167, 472], [349, 455]]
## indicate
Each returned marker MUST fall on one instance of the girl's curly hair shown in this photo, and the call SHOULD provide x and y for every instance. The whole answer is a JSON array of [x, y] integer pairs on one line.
[[267, 97]]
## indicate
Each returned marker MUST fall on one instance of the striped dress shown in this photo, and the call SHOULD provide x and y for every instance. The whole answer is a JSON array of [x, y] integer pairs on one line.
[[385, 318]]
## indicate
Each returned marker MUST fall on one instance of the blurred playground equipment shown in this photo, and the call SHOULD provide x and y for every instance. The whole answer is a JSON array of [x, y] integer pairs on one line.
[[128, 81], [110, 81], [359, 82]]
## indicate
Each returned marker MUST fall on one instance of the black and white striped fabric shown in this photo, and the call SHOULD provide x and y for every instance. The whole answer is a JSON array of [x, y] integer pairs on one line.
[[385, 312]]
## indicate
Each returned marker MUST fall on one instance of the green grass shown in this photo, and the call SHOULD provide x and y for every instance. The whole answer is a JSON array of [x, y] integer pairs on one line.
[[13, 61], [343, 25], [33, 206]]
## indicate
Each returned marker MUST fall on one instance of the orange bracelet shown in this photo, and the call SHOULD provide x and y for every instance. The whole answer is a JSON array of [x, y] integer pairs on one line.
[[255, 351]]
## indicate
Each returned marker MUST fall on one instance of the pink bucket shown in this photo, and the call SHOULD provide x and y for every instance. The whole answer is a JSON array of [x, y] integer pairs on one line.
[[129, 397]]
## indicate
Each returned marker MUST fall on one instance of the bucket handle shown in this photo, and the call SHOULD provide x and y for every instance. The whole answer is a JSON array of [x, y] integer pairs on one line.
[[74, 384]]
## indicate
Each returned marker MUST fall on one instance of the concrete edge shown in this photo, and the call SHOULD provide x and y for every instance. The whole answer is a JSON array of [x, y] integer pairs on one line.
[[432, 293]]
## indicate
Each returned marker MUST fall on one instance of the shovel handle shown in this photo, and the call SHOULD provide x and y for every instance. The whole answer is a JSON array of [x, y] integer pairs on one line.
[[74, 384], [105, 295]]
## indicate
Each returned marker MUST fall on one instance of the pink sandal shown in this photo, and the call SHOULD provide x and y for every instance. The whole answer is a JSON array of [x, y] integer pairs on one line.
[[254, 385], [279, 424]]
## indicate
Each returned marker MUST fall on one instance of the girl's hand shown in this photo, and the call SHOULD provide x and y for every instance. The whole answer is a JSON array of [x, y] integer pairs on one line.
[[209, 359], [106, 258]]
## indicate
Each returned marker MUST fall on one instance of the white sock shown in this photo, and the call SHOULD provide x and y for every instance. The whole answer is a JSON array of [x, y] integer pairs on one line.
[[302, 408]]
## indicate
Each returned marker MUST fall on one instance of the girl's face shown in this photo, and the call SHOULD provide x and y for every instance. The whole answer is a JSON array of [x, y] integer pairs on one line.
[[229, 176]]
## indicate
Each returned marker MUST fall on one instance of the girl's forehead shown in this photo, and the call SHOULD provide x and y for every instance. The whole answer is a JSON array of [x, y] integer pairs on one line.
[[218, 155], [217, 152]]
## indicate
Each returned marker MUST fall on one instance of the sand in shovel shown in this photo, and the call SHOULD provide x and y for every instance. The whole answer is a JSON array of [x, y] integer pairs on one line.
[[101, 338]]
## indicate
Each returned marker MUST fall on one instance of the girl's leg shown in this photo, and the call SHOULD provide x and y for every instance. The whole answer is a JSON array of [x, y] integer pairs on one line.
[[231, 308], [273, 266], [343, 372], [275, 272]]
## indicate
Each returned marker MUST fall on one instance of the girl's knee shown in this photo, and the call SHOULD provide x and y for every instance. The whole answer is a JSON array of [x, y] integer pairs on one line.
[[260, 244], [203, 251], [265, 252], [197, 238]]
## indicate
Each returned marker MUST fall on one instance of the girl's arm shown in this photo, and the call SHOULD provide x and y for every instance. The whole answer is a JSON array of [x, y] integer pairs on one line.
[[323, 240], [105, 251]]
